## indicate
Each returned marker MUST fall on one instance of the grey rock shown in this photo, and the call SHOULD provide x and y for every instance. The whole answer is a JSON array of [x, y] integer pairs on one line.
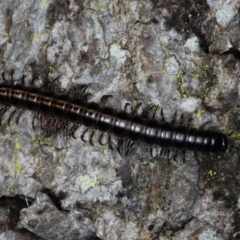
[[169, 53]]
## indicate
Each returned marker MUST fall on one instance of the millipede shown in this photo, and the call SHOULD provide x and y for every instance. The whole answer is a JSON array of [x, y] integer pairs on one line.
[[71, 110]]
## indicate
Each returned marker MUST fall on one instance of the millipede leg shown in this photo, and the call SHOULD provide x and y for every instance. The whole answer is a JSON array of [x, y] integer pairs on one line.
[[11, 78], [161, 152], [11, 116], [175, 155], [124, 146], [162, 115], [136, 108], [83, 134], [100, 139], [181, 122], [62, 126], [19, 115], [12, 72], [151, 109], [47, 127], [174, 118], [50, 126], [56, 127], [129, 146], [33, 120], [55, 79], [151, 151], [104, 100], [23, 80], [49, 85], [86, 96], [79, 91], [33, 81], [205, 124], [213, 128], [2, 112], [83, 94], [3, 77], [184, 156], [155, 111], [91, 137], [4, 109], [41, 122], [73, 130], [189, 123], [120, 145], [165, 152], [168, 155], [110, 141], [126, 107], [46, 85], [195, 156]]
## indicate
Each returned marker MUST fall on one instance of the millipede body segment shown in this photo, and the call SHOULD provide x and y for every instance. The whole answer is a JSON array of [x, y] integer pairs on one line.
[[106, 119]]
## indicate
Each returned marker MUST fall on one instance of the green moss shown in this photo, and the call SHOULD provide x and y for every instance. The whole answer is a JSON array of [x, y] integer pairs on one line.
[[197, 76], [88, 181], [50, 70], [235, 135], [186, 28], [206, 67], [35, 38], [166, 51], [11, 184], [112, 162], [6, 34], [101, 6], [157, 207], [179, 75], [45, 2], [37, 140], [10, 123], [212, 173], [200, 112], [21, 20], [182, 90], [18, 168], [107, 64], [61, 68], [17, 146]]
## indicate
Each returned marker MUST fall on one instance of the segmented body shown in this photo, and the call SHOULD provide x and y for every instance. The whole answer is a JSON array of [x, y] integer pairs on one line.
[[106, 119]]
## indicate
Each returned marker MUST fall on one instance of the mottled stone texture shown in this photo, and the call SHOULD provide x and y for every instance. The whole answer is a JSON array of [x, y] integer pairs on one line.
[[181, 55]]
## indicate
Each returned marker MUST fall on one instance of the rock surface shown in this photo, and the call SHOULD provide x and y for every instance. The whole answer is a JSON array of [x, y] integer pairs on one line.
[[180, 55]]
